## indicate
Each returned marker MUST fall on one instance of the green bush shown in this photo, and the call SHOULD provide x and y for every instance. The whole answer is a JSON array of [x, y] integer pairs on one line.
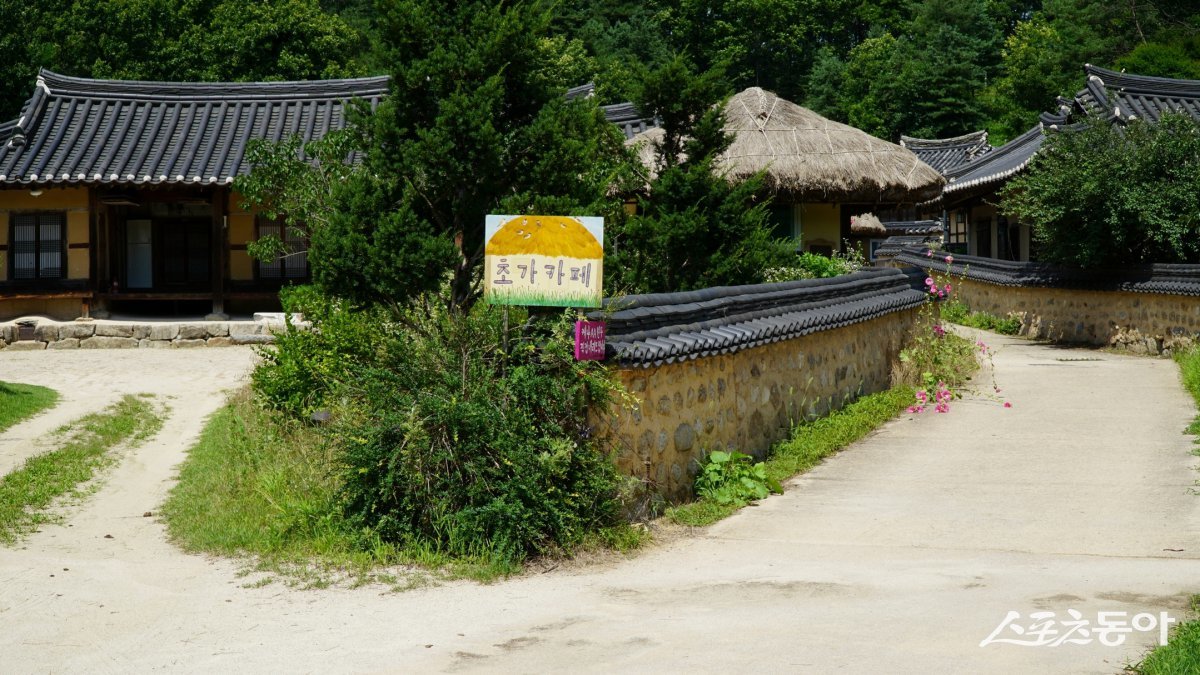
[[732, 478], [304, 366], [816, 266], [454, 436]]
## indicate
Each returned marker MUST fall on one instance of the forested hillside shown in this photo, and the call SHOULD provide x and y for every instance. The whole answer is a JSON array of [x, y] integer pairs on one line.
[[926, 68]]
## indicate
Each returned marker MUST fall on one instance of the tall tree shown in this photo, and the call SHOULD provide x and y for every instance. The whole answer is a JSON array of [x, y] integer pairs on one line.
[[694, 227]]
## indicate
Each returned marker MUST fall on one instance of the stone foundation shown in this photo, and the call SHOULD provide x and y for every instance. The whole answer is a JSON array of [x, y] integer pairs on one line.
[[747, 400], [132, 335], [1144, 323]]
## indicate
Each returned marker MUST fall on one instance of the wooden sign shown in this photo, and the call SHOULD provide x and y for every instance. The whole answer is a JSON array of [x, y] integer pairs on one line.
[[548, 261]]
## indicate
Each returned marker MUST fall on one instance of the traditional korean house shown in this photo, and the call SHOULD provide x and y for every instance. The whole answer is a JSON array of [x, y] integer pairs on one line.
[[117, 195], [975, 173], [821, 173]]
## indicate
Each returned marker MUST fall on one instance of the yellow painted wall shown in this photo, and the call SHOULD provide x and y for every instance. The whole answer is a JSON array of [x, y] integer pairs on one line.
[[820, 224], [240, 230], [74, 201]]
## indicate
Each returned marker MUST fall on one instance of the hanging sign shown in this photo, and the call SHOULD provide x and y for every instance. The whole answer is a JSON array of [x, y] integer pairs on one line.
[[549, 261], [589, 340]]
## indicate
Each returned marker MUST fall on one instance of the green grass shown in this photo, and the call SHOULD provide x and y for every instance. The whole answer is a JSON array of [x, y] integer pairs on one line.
[[27, 494], [809, 444], [264, 487], [957, 312], [1189, 370], [1181, 654], [21, 401]]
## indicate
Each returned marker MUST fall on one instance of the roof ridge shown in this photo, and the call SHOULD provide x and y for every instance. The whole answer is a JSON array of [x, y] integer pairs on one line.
[[66, 85], [972, 137], [1113, 79]]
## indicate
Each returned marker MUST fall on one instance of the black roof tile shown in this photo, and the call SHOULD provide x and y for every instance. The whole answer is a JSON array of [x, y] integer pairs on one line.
[[648, 330], [944, 154], [76, 130]]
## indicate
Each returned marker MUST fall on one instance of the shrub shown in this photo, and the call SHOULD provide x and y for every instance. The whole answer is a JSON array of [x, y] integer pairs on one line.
[[455, 442], [957, 312], [816, 266]]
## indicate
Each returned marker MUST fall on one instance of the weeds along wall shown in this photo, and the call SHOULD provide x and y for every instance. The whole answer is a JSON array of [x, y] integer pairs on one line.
[[1151, 309], [736, 367]]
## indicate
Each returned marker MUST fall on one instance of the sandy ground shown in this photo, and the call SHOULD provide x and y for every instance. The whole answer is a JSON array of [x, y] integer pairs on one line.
[[901, 555]]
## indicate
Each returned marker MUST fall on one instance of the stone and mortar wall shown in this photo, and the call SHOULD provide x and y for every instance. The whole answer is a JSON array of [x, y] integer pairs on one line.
[[130, 335], [747, 400], [1139, 322]]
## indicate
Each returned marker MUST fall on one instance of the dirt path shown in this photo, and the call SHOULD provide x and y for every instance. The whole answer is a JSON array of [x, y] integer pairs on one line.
[[901, 555]]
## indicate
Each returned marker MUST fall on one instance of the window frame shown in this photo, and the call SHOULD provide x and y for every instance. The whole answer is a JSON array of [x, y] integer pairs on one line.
[[283, 231], [38, 249]]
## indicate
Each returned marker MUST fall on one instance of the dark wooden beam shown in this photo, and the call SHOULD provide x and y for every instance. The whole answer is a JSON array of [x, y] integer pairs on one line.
[[220, 248]]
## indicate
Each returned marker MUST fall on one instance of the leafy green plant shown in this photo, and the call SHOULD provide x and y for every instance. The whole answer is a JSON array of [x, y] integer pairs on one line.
[[955, 311], [816, 266], [734, 478]]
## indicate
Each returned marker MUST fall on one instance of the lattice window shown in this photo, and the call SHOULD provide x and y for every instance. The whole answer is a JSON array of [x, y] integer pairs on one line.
[[37, 245], [293, 264]]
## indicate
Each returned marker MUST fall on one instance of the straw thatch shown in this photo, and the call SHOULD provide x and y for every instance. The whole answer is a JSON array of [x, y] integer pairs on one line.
[[867, 225], [807, 157]]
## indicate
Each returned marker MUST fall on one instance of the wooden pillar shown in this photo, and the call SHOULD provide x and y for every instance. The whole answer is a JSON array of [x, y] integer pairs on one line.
[[220, 251]]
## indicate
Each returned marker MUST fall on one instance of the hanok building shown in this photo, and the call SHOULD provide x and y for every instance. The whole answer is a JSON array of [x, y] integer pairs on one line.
[[975, 173], [118, 195], [820, 173]]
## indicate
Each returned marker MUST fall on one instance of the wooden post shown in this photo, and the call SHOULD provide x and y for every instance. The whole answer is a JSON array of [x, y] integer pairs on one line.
[[220, 250]]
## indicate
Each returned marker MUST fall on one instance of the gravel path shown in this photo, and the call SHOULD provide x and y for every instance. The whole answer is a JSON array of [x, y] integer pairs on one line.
[[901, 555]]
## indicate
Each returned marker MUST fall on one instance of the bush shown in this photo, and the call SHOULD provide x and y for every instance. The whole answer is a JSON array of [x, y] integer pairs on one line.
[[957, 312], [815, 266], [454, 436], [306, 365]]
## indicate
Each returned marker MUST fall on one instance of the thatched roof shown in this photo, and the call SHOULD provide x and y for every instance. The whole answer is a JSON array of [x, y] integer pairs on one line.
[[808, 157]]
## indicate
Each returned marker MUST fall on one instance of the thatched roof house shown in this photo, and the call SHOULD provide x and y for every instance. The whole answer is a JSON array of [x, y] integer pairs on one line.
[[822, 173], [807, 157]]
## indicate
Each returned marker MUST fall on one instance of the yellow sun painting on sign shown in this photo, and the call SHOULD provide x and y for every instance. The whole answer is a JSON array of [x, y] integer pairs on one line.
[[549, 261]]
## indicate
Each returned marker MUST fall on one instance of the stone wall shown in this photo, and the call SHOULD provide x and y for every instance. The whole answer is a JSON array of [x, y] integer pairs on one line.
[[1140, 322], [746, 400], [83, 334]]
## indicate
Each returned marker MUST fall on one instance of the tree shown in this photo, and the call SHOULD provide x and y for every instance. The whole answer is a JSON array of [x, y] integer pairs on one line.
[[476, 122], [1112, 195], [694, 228], [174, 40]]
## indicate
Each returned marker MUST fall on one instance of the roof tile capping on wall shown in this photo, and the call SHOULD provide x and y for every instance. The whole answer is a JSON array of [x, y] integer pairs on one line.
[[656, 329]]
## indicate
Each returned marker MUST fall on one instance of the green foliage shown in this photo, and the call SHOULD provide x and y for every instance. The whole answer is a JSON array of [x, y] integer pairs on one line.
[[173, 40], [459, 444], [1181, 654], [1114, 196], [957, 312], [304, 367], [809, 444], [694, 228], [814, 266], [931, 358], [733, 478], [1189, 369], [22, 401], [27, 493]]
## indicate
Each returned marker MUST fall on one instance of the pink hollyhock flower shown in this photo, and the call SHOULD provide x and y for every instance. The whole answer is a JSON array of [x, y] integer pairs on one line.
[[922, 396], [942, 407], [1007, 404], [947, 288], [929, 253], [928, 281], [949, 259]]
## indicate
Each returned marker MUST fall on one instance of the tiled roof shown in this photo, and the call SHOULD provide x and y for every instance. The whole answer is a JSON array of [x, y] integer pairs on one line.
[[75, 130], [649, 330], [913, 227], [895, 245], [945, 154], [997, 165], [624, 115], [1169, 279], [1122, 96]]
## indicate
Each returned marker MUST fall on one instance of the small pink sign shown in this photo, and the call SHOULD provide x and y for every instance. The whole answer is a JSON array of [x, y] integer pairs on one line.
[[589, 340]]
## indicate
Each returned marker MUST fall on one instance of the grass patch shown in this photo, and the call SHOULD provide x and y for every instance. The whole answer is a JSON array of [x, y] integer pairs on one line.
[[27, 493], [266, 487], [22, 401], [957, 312], [1189, 370], [810, 443], [1181, 654]]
